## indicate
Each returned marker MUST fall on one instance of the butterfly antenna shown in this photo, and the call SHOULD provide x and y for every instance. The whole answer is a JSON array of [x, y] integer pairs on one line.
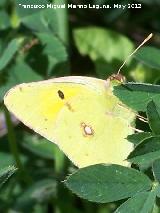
[[145, 40]]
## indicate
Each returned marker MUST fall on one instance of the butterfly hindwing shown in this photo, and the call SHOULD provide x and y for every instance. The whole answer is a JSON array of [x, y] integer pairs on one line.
[[80, 114]]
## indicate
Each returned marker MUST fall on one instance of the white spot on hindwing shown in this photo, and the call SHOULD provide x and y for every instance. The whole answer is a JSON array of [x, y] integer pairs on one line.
[[87, 129]]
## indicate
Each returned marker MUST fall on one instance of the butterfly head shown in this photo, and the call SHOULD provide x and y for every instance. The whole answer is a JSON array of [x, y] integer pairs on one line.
[[115, 80]]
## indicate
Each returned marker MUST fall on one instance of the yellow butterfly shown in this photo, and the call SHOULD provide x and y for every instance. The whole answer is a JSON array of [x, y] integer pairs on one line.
[[79, 114]]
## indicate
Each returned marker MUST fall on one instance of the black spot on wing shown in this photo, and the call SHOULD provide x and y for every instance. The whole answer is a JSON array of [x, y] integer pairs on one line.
[[61, 94]]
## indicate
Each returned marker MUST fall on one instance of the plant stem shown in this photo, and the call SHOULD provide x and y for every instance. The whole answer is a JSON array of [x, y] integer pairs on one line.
[[14, 148]]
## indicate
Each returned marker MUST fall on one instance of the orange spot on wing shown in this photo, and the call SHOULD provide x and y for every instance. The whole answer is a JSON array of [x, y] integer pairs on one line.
[[69, 106]]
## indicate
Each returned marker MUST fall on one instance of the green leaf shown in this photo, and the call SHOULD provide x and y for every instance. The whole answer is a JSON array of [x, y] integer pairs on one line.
[[45, 149], [62, 21], [138, 137], [43, 21], [39, 146], [146, 152], [23, 12], [106, 183], [106, 45], [158, 190], [153, 114], [9, 52], [142, 73], [140, 203], [4, 20], [136, 95], [5, 173], [18, 73], [53, 49], [2, 3], [149, 56], [6, 159], [156, 169], [23, 73], [40, 191]]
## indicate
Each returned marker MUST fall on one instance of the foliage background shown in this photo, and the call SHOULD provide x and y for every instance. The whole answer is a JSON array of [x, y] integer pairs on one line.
[[41, 44]]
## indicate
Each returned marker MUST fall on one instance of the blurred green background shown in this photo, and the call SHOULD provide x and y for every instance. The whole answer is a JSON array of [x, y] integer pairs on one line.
[[37, 44]]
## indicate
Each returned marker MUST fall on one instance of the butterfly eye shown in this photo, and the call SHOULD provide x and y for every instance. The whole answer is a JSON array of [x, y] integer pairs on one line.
[[61, 94]]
